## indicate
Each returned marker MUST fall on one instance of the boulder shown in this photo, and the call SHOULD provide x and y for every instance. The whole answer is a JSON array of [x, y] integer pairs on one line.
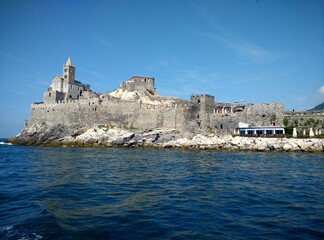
[[286, 147]]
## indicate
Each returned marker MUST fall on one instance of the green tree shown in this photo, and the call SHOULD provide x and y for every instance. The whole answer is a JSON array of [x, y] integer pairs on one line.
[[285, 122], [289, 129], [312, 120]]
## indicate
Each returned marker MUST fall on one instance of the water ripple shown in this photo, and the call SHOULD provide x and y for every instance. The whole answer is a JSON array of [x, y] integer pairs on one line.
[[111, 193]]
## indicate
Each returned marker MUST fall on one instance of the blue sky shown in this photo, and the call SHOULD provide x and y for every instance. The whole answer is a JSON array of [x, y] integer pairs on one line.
[[257, 50]]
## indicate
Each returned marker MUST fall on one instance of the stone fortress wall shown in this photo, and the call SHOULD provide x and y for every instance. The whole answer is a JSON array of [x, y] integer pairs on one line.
[[136, 105]]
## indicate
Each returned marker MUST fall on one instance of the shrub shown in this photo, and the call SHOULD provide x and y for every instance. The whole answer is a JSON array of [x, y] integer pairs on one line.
[[289, 129]]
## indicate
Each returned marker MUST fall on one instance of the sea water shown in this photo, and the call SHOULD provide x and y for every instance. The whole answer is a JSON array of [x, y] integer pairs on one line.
[[124, 193]]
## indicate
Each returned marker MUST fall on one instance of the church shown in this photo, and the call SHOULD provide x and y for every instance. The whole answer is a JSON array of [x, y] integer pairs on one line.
[[65, 87]]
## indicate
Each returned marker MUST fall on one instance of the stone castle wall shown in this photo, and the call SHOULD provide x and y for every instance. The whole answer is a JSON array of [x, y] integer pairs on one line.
[[263, 114], [182, 115], [70, 103], [129, 114]]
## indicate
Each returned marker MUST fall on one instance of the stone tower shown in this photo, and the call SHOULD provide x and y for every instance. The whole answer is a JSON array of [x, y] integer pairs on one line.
[[205, 108], [69, 72]]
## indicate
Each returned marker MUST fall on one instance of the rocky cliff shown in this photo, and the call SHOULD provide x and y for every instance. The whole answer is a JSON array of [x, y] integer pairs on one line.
[[106, 136]]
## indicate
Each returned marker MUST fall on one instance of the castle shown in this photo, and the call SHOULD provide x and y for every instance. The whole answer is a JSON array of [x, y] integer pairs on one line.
[[136, 104]]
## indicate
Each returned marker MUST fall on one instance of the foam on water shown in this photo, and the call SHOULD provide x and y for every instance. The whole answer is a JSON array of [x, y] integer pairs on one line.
[[18, 232], [112, 193]]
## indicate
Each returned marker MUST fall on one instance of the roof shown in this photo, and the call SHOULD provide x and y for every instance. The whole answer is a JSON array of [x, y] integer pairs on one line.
[[69, 63], [261, 128]]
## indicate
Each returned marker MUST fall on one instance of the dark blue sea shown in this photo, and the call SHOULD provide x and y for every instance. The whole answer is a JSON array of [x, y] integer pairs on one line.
[[124, 193]]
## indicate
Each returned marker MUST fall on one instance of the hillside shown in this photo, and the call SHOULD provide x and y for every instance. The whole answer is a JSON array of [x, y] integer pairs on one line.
[[318, 107]]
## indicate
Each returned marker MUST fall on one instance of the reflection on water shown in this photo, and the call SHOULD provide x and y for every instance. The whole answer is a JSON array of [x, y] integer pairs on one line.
[[73, 193]]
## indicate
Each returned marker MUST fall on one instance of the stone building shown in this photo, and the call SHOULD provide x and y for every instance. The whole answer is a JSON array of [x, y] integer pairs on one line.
[[140, 84], [137, 105], [66, 87]]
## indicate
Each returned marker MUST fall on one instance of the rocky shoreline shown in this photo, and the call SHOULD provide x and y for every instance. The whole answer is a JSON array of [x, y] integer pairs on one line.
[[108, 136]]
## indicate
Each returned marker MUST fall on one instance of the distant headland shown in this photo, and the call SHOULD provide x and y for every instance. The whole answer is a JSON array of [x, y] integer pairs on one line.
[[71, 114]]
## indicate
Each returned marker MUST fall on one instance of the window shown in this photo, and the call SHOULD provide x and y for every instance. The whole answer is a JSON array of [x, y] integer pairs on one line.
[[198, 116], [279, 132], [65, 70], [49, 94], [70, 96], [221, 126], [65, 76], [259, 132], [198, 101], [269, 132]]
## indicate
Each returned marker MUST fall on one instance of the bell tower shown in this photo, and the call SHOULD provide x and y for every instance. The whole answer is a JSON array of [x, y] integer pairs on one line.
[[69, 72]]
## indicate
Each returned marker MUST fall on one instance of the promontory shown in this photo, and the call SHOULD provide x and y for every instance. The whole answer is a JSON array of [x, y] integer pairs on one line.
[[134, 115]]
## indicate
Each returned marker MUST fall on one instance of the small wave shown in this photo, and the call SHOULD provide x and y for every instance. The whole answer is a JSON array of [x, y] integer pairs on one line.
[[33, 236], [12, 232], [6, 228], [4, 143]]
